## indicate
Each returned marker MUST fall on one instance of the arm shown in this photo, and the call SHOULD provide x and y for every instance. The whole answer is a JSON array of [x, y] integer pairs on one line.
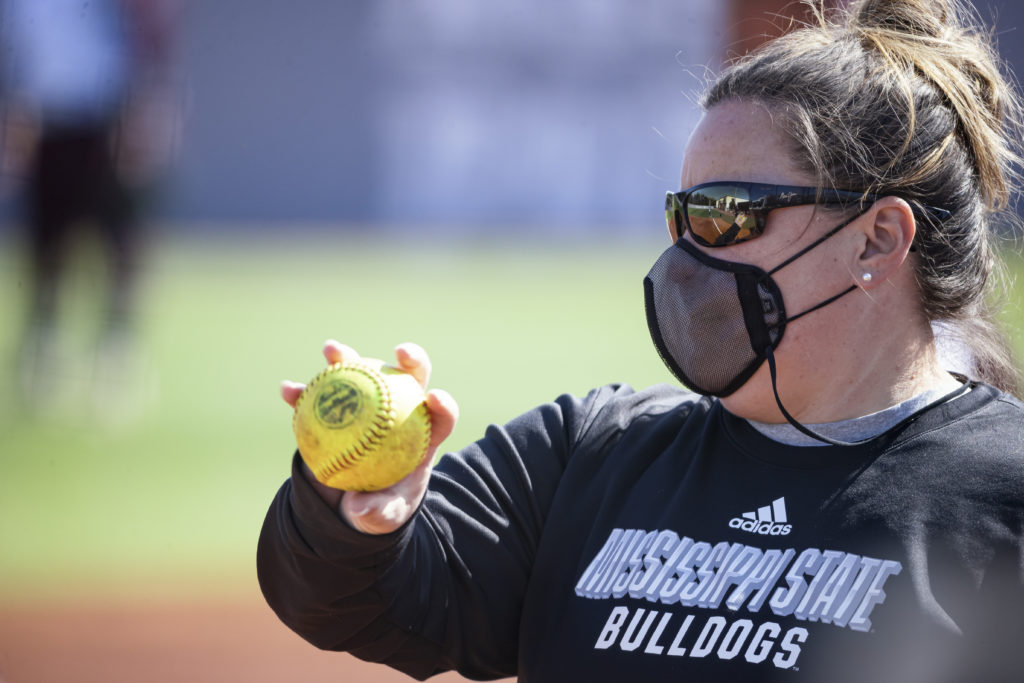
[[444, 588]]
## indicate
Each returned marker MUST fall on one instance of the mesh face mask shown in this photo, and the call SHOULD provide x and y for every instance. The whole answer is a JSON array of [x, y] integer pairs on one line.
[[712, 320], [715, 322]]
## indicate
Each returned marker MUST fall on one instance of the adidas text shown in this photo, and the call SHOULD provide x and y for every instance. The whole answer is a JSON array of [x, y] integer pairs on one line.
[[769, 520], [763, 528]]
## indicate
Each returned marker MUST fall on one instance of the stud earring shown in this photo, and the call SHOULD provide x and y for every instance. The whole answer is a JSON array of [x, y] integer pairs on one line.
[[866, 277]]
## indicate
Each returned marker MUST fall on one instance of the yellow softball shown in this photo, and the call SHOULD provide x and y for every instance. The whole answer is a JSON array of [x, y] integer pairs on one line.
[[362, 426]]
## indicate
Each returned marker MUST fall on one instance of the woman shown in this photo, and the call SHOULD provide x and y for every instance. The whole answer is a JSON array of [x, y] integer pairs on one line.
[[830, 505]]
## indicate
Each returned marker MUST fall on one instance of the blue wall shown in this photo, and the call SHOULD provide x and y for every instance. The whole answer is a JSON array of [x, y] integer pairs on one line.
[[453, 112]]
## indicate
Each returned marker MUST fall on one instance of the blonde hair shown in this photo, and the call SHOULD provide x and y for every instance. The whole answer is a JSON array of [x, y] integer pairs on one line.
[[906, 98]]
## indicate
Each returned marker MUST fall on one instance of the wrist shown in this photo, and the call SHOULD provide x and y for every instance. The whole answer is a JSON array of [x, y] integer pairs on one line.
[[331, 496]]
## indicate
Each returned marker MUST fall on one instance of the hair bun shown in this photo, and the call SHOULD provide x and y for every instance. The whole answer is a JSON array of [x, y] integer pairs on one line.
[[922, 18], [939, 41]]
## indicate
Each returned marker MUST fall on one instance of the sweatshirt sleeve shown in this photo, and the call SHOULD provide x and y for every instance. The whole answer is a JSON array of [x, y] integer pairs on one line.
[[446, 590]]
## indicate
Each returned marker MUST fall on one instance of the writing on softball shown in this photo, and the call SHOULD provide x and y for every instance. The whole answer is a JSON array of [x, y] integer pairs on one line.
[[662, 568]]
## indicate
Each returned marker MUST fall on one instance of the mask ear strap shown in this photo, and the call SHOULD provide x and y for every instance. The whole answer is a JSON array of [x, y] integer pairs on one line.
[[826, 302], [956, 393], [816, 242], [806, 249]]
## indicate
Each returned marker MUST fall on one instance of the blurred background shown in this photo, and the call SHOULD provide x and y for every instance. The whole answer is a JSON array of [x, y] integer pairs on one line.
[[194, 195]]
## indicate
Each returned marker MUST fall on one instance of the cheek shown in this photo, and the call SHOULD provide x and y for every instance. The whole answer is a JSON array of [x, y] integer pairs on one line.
[[815, 275], [810, 280]]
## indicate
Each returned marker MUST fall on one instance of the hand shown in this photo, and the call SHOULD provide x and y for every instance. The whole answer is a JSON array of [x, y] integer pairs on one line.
[[384, 511]]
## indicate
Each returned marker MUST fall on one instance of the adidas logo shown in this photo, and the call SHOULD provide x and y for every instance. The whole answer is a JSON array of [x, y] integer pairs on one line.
[[769, 520]]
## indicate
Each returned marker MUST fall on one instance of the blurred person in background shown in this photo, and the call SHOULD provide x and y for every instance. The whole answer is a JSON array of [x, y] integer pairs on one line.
[[90, 121]]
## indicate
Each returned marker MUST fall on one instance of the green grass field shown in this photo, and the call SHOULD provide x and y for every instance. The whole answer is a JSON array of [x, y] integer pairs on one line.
[[176, 498], [173, 501]]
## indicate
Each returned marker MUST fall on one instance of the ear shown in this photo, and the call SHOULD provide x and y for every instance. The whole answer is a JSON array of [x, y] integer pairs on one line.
[[888, 233]]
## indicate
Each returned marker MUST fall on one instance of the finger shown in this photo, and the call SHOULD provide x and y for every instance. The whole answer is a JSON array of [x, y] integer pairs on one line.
[[444, 414], [336, 352], [414, 360], [290, 391]]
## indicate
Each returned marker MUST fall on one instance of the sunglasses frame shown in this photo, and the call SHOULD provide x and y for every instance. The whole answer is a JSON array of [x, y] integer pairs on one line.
[[768, 197]]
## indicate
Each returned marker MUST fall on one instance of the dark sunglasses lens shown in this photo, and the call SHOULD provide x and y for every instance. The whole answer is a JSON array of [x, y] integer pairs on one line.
[[720, 215]]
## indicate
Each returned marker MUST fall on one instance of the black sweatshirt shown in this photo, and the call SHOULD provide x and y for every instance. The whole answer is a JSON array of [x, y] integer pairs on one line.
[[654, 536]]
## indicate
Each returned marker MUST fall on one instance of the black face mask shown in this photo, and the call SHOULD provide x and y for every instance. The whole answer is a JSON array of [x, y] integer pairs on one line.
[[715, 322]]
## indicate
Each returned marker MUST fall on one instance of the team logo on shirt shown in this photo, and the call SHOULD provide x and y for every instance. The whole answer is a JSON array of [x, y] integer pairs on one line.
[[675, 596], [768, 520]]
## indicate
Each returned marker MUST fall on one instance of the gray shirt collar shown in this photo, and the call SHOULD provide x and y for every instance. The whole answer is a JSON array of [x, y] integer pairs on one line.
[[855, 429]]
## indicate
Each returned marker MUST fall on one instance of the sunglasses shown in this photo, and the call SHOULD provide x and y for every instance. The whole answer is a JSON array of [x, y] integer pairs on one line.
[[723, 213]]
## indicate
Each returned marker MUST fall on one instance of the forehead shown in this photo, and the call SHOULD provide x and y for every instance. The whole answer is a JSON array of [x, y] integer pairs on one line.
[[739, 140]]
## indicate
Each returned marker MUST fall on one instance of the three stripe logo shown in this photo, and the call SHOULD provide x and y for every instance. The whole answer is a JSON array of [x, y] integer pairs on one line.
[[769, 520]]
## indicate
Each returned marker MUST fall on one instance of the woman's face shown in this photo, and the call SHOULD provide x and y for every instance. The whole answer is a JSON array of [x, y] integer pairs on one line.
[[739, 141]]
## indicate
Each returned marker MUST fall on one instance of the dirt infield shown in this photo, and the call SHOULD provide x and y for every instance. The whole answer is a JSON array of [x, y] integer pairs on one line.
[[183, 641]]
